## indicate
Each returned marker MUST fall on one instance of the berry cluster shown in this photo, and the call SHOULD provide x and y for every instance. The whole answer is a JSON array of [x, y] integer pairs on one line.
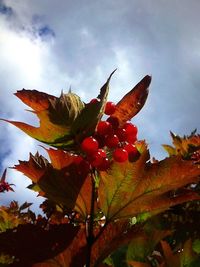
[[110, 141]]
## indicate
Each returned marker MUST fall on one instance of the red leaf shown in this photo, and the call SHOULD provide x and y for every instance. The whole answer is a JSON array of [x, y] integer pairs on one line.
[[133, 101]]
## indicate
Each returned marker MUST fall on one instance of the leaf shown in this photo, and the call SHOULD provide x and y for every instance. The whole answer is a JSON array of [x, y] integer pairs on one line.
[[187, 256], [133, 101], [113, 236], [3, 177], [131, 189], [142, 246], [86, 122], [183, 145], [24, 206], [138, 264], [61, 181], [196, 246], [73, 255], [34, 168], [171, 259], [8, 220], [30, 243], [55, 116]]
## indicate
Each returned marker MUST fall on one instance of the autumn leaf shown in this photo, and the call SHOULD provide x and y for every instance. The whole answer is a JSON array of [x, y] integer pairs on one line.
[[4, 186], [55, 114], [86, 122], [30, 243], [138, 264], [184, 146], [131, 189], [142, 246], [63, 121], [73, 255], [63, 180], [133, 101]]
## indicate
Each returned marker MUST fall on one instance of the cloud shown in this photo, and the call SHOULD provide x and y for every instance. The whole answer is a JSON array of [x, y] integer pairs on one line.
[[49, 46]]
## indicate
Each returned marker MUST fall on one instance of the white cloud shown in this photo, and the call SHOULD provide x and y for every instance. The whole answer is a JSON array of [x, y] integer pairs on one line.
[[91, 40]]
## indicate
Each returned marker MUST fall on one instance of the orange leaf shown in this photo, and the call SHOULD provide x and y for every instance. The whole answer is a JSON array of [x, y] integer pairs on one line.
[[133, 101], [171, 259], [61, 181], [183, 145], [114, 235], [129, 189], [55, 116]]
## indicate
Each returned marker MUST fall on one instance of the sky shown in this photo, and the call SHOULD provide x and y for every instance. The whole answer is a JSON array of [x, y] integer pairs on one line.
[[52, 45]]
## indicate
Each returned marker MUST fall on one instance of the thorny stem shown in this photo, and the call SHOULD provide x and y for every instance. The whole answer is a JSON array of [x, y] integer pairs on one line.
[[90, 223]]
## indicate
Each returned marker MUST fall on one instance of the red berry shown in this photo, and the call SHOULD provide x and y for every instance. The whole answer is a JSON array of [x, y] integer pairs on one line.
[[104, 165], [77, 159], [98, 158], [121, 133], [110, 108], [89, 145], [94, 101], [131, 132], [111, 141], [133, 153], [113, 121], [120, 155], [130, 128], [104, 128]]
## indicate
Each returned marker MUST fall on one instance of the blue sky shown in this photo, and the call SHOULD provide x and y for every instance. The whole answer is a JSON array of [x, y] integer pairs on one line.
[[51, 45]]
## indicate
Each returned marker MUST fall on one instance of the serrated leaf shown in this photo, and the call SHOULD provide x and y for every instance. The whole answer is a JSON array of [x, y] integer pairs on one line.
[[62, 181], [183, 145], [8, 220], [55, 116], [133, 101], [86, 121], [130, 189]]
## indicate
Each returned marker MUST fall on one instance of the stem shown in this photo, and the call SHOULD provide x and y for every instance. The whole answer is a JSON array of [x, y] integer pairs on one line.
[[90, 223]]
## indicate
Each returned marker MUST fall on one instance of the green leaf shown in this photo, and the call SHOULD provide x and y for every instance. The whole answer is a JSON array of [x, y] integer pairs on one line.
[[131, 189], [86, 121], [196, 246]]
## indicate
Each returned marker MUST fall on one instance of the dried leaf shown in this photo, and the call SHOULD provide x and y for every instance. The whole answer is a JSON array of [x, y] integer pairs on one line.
[[133, 101]]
